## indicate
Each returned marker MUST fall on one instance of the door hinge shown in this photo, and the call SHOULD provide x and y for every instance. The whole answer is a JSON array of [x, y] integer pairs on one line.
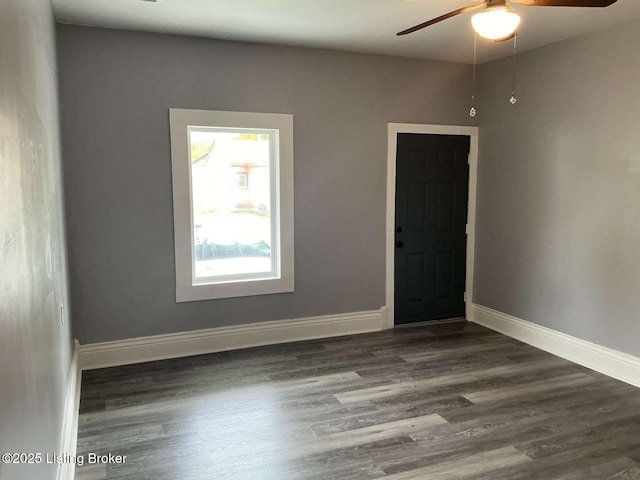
[[469, 158], [466, 229], [464, 296]]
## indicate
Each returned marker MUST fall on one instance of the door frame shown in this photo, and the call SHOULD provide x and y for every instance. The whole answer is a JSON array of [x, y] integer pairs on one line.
[[393, 129]]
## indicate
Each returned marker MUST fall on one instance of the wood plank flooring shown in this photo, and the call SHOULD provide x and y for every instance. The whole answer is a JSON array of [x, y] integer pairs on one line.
[[448, 401]]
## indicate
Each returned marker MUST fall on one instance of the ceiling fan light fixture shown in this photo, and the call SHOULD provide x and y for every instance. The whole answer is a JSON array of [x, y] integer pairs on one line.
[[496, 23]]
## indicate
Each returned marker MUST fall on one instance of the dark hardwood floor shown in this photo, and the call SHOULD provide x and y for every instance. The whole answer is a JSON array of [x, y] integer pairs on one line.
[[450, 401]]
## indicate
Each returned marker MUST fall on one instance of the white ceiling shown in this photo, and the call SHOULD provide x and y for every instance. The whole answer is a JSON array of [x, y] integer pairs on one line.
[[353, 25]]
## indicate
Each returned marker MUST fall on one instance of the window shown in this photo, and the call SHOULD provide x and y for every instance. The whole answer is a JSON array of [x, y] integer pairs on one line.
[[232, 202], [243, 180]]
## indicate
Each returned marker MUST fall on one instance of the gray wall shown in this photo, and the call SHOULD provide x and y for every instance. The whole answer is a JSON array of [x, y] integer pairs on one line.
[[558, 240], [116, 89], [35, 349]]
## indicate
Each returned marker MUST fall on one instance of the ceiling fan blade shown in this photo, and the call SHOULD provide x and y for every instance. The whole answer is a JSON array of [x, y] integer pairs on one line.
[[446, 16], [566, 3]]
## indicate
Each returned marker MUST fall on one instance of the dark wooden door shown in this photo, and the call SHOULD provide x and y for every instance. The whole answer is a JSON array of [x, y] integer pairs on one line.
[[432, 184]]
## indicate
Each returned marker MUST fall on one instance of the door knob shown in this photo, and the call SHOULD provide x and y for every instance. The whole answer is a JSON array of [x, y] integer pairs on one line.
[[399, 229], [400, 244]]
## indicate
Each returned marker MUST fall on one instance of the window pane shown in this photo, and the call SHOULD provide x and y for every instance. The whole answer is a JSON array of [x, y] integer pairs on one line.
[[230, 175]]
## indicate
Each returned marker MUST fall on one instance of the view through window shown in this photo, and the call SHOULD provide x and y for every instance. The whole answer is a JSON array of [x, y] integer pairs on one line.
[[232, 207]]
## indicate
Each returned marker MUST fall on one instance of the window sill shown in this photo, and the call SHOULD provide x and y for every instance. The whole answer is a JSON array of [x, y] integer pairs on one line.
[[212, 291]]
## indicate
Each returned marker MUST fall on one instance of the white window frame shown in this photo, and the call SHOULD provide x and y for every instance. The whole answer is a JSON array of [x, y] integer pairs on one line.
[[281, 279]]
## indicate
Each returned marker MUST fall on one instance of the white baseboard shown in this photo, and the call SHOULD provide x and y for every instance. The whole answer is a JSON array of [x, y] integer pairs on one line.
[[613, 363], [183, 344], [66, 471]]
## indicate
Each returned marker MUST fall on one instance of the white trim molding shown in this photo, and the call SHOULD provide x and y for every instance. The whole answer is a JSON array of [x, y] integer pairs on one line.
[[66, 470], [393, 129], [612, 363], [219, 339]]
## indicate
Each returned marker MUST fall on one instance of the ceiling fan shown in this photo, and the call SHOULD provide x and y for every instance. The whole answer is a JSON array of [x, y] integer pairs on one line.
[[497, 21]]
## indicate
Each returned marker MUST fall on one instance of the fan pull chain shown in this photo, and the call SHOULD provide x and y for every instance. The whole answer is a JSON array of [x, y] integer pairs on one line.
[[513, 100], [473, 112]]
